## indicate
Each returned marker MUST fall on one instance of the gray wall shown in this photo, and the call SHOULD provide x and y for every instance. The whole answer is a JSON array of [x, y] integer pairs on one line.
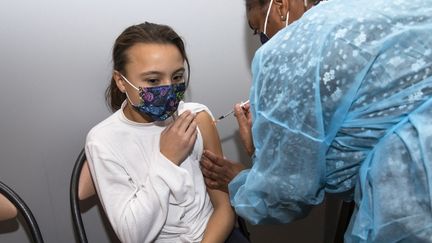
[[55, 65]]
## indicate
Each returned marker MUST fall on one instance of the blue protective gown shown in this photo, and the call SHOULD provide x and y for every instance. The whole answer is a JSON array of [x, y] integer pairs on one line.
[[341, 102]]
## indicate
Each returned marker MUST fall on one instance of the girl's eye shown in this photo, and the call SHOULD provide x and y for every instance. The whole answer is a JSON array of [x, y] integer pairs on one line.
[[178, 78], [152, 81]]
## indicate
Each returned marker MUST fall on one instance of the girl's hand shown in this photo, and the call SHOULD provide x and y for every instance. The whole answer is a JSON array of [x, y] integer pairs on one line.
[[178, 139], [244, 120]]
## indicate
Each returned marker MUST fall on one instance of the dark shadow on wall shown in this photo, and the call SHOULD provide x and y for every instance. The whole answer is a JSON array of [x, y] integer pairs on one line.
[[12, 225], [318, 227], [9, 226], [251, 41], [242, 155], [88, 204], [307, 230], [332, 217], [107, 226]]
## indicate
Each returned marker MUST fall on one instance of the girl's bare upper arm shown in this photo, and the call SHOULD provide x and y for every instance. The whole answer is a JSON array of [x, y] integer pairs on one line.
[[209, 132], [212, 143]]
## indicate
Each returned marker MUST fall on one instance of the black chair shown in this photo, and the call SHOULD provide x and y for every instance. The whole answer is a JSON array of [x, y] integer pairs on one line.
[[243, 227], [79, 192], [25, 211], [74, 198]]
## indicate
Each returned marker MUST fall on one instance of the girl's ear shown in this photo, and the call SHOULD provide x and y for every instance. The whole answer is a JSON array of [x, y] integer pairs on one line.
[[282, 8], [119, 81]]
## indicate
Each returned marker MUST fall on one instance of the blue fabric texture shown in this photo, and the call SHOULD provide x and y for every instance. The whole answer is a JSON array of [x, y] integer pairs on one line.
[[341, 102]]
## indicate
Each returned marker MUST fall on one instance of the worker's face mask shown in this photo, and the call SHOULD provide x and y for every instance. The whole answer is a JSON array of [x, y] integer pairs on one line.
[[158, 102], [263, 35]]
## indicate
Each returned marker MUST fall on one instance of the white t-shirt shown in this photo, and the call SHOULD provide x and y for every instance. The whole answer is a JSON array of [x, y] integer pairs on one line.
[[145, 196]]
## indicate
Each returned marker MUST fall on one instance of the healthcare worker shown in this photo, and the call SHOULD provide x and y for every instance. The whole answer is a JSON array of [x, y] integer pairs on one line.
[[341, 102]]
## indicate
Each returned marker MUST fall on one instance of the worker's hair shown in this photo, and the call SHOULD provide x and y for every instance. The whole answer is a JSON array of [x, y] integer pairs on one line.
[[263, 3]]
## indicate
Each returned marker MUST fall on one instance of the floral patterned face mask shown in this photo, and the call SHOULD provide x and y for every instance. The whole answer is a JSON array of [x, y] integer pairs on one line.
[[158, 102]]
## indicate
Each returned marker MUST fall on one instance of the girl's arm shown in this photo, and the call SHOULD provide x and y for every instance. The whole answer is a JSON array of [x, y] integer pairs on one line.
[[221, 222], [136, 207]]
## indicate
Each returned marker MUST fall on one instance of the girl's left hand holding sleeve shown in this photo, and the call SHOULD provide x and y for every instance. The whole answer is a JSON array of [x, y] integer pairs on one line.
[[182, 132]]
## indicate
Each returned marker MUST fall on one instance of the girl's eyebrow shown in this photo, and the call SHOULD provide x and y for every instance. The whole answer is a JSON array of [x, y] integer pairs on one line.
[[182, 69], [150, 72]]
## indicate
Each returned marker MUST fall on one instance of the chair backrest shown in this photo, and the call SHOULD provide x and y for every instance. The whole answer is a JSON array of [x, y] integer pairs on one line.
[[81, 187], [25, 211], [243, 227]]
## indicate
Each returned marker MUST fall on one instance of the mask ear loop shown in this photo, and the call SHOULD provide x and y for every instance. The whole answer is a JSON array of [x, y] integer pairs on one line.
[[133, 86], [175, 115], [305, 2], [287, 16], [127, 96], [127, 81], [267, 16]]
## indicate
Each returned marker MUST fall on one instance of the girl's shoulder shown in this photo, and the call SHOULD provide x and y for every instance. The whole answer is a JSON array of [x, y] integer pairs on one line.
[[111, 128], [193, 107]]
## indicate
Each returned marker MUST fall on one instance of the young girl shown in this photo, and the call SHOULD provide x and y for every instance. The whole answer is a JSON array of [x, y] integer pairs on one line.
[[144, 158]]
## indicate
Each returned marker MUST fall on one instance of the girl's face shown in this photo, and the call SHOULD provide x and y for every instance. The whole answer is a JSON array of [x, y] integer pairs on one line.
[[151, 65]]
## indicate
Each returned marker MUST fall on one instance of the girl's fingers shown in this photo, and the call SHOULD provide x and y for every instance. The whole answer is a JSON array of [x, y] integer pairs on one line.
[[178, 123]]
